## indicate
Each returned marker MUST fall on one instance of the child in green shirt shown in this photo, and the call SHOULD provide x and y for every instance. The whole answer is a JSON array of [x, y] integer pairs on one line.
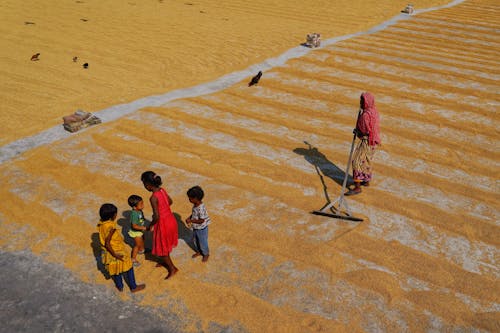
[[137, 226]]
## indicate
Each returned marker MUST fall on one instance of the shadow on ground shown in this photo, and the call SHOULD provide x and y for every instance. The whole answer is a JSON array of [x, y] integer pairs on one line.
[[324, 167], [96, 249]]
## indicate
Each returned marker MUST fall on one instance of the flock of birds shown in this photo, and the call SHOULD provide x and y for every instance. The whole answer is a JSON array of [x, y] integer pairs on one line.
[[36, 57], [254, 81]]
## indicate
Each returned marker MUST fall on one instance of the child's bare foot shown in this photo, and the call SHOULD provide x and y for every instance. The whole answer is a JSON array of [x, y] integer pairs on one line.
[[197, 254], [172, 273], [160, 264], [139, 287], [205, 258]]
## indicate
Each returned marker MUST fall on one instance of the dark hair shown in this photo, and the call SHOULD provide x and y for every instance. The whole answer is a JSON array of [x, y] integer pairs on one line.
[[151, 178], [107, 211], [133, 200], [195, 192]]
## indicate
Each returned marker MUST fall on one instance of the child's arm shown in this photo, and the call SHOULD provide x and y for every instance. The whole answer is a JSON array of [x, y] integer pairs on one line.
[[108, 247], [154, 205], [138, 227], [196, 221], [201, 215]]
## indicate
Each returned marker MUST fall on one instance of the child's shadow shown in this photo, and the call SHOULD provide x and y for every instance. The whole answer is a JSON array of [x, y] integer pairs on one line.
[[96, 249], [124, 222], [185, 233]]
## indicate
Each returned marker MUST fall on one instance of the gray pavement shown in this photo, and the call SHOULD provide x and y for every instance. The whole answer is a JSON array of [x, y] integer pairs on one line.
[[36, 296]]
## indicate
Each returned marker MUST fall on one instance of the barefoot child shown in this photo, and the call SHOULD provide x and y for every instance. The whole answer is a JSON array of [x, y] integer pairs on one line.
[[137, 226], [117, 263], [165, 232], [199, 221]]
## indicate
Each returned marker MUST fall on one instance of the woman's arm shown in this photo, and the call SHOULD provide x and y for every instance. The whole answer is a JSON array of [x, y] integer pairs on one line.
[[107, 245]]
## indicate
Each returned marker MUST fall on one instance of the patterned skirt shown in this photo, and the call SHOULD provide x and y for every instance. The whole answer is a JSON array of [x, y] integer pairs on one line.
[[361, 162]]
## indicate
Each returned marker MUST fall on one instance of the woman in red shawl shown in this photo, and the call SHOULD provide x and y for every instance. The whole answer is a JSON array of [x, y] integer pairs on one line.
[[165, 233], [368, 131]]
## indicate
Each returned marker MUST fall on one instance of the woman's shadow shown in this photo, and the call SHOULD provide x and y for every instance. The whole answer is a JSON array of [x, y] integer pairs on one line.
[[323, 166]]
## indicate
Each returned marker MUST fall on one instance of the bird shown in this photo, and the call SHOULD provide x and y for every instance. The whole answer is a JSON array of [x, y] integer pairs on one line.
[[34, 57], [75, 59], [86, 65], [255, 79]]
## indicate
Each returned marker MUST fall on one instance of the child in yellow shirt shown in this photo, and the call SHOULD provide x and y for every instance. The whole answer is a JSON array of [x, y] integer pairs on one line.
[[114, 256]]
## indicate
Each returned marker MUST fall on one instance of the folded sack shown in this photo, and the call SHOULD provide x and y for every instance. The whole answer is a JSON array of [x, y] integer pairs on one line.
[[78, 120]]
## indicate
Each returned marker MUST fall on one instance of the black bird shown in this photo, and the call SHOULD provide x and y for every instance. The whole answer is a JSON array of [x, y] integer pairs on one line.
[[35, 56], [85, 65], [255, 79]]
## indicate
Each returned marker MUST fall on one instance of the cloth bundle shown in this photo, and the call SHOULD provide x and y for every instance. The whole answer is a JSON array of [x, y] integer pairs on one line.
[[408, 9], [313, 40], [78, 120]]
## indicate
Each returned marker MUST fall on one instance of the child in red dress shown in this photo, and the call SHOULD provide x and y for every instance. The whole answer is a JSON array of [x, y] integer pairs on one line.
[[165, 233]]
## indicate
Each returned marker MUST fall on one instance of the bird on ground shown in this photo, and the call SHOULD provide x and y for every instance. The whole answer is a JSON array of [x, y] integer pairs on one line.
[[255, 79], [35, 56], [75, 59], [86, 65]]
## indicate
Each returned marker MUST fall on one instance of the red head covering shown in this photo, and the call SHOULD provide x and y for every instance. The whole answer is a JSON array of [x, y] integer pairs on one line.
[[368, 121]]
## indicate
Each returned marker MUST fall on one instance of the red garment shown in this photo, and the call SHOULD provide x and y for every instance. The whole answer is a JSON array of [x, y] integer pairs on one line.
[[165, 233], [369, 120]]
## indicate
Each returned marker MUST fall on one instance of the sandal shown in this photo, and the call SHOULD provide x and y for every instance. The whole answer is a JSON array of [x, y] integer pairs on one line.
[[139, 287], [353, 192]]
